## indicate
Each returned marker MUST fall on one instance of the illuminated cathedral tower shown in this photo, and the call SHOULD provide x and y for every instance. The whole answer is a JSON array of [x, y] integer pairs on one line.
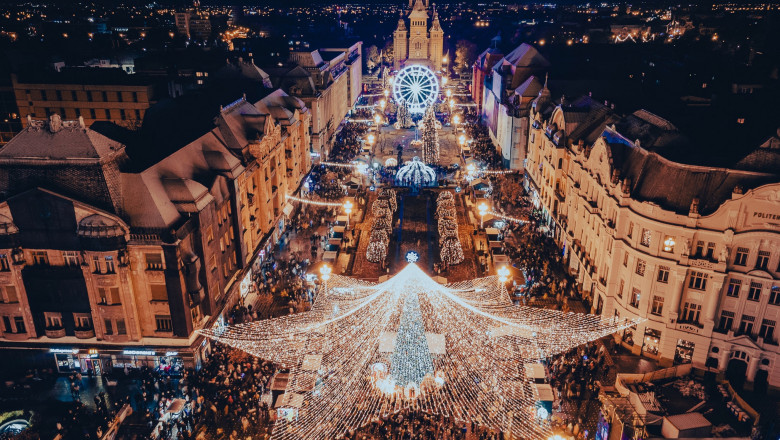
[[418, 44]]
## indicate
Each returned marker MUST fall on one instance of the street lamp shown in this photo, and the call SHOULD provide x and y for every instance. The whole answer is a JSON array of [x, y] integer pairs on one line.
[[482, 211], [462, 142], [378, 119], [387, 93], [456, 121], [382, 104], [444, 80], [503, 274], [448, 93], [325, 272], [371, 139]]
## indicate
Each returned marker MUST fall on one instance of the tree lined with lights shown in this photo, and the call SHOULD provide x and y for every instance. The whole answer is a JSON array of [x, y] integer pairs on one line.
[[379, 240], [403, 117], [450, 248], [430, 138], [365, 350]]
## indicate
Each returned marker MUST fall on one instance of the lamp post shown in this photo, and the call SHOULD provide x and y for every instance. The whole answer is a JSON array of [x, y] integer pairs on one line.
[[325, 271], [482, 211], [387, 93], [503, 276], [456, 121], [348, 210]]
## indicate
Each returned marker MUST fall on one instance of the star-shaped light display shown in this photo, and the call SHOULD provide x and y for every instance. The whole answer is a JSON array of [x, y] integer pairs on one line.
[[412, 256], [366, 350]]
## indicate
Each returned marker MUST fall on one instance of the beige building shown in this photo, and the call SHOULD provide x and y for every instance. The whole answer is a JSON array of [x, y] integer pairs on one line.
[[329, 81], [417, 44], [692, 250], [108, 262]]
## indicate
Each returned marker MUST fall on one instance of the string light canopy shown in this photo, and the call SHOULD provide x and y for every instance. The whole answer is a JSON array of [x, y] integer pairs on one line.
[[365, 350]]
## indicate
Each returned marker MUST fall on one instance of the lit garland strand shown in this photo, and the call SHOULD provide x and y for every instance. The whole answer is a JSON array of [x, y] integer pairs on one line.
[[507, 217], [467, 342], [314, 202], [339, 164]]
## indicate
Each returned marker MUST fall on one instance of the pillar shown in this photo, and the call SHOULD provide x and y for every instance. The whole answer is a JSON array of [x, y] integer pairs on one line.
[[714, 298], [678, 284], [752, 368]]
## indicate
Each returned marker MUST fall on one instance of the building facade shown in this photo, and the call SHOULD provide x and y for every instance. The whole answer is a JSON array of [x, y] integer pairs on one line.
[[87, 93], [329, 81], [417, 44], [105, 264], [513, 82], [692, 251]]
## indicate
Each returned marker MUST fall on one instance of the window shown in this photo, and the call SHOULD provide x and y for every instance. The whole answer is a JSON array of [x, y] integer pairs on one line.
[[620, 290], [740, 258], [71, 258], [92, 114], [120, 327], [10, 292], [763, 260], [7, 325], [663, 274], [83, 321], [107, 113], [73, 96], [640, 267], [154, 262], [646, 236], [109, 326], [691, 312], [630, 229], [43, 95], [754, 294], [159, 292], [89, 97], [625, 259], [53, 320], [213, 263], [164, 323], [774, 295], [110, 264], [746, 325], [19, 322], [209, 234], [135, 96], [726, 321], [40, 257], [4, 264], [698, 281], [122, 114], [115, 298], [119, 97], [658, 305], [710, 251], [105, 96], [767, 330], [733, 289], [102, 298], [97, 267], [699, 249], [635, 297], [668, 244]]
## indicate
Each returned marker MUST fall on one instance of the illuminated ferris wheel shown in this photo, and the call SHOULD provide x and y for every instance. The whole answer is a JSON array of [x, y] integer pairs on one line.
[[417, 86]]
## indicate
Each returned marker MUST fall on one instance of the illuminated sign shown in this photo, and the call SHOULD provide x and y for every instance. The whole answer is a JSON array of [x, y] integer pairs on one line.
[[171, 353], [139, 352], [64, 350]]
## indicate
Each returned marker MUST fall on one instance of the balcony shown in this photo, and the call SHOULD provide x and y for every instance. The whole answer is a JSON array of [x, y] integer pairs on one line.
[[154, 266], [55, 333], [85, 333]]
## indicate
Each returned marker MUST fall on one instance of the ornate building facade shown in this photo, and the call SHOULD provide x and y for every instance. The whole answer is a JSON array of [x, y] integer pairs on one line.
[[417, 44], [111, 261], [692, 250]]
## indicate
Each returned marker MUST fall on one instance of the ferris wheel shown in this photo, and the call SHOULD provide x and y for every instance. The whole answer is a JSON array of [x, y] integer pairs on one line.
[[417, 86]]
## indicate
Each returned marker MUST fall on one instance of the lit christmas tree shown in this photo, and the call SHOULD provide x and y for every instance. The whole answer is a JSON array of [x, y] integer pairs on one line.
[[403, 116], [430, 138]]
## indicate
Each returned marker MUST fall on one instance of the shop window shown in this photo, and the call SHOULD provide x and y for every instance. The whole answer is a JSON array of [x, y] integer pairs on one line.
[[646, 237], [733, 289], [53, 320], [109, 326], [651, 341], [754, 293], [767, 330], [740, 258], [154, 261], [663, 274], [635, 297], [774, 295], [657, 306], [698, 281], [691, 312], [159, 292], [4, 264], [763, 260], [726, 321], [746, 325], [120, 327], [640, 267], [71, 258], [683, 354], [164, 323]]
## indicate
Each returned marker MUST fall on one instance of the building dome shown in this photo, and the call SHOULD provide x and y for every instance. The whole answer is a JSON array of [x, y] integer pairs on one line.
[[416, 173]]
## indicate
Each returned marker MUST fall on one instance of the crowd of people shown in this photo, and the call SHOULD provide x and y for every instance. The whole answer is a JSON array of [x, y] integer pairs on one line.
[[482, 146], [413, 424]]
